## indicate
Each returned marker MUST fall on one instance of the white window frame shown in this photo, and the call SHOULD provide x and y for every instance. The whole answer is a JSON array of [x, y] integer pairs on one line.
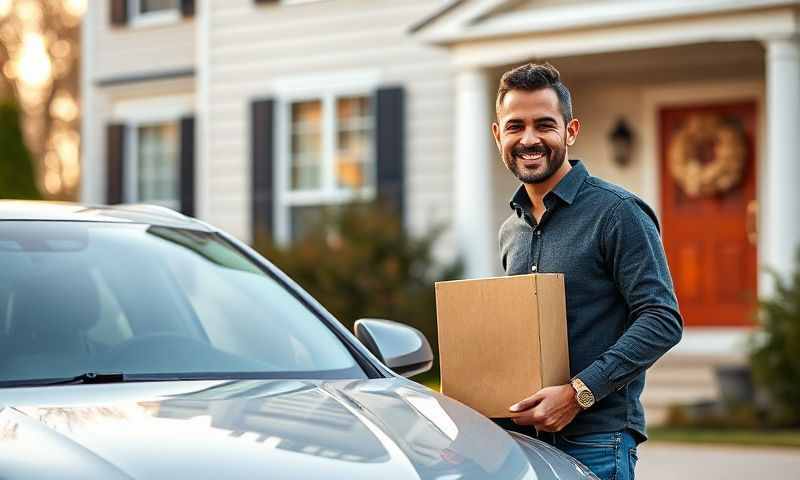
[[291, 90], [152, 19], [133, 114]]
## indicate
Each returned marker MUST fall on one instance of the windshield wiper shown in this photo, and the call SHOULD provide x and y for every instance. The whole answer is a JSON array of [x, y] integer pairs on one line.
[[84, 378]]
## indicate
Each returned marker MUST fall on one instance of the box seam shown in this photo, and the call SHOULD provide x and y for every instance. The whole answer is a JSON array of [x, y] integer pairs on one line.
[[539, 330]]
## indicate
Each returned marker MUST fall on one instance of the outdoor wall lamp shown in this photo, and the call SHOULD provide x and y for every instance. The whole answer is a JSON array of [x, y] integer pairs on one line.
[[621, 138]]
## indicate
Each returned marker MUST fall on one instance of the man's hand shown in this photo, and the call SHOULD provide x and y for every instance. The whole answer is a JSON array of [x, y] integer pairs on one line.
[[549, 410]]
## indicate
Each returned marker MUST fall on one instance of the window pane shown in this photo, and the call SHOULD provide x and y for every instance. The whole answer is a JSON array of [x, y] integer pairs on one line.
[[157, 149], [353, 108], [147, 6], [306, 147], [354, 156]]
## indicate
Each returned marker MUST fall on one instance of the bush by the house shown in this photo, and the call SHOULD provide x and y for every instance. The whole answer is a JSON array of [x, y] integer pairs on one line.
[[775, 353], [359, 262]]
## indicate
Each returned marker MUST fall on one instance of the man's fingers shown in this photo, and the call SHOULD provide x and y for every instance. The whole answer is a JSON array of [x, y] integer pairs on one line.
[[524, 420], [526, 404], [531, 418]]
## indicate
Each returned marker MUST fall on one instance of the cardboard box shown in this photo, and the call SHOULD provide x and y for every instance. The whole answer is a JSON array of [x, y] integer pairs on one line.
[[501, 339]]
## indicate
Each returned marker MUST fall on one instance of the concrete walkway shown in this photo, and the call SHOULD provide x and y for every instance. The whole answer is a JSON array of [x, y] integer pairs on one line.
[[662, 461]]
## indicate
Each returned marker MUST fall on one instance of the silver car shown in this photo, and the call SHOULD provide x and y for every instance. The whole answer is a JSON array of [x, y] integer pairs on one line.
[[139, 343]]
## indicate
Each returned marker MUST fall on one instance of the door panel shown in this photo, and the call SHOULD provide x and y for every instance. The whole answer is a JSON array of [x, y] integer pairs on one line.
[[705, 230]]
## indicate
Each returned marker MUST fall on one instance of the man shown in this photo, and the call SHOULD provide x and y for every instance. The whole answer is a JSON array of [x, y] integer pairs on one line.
[[622, 314]]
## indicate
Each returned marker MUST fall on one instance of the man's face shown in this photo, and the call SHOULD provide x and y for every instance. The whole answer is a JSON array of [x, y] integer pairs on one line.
[[531, 135]]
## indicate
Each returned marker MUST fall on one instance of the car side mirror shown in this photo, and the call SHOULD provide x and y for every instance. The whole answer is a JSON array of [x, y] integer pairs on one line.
[[402, 348]]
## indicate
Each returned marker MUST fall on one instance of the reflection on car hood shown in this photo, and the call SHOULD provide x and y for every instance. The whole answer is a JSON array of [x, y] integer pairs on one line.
[[278, 429]]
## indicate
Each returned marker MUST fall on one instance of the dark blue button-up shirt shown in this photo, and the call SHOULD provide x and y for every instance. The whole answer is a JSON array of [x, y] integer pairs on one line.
[[622, 314]]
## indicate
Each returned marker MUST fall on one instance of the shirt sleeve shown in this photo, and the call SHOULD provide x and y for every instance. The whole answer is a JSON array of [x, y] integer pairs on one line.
[[634, 256]]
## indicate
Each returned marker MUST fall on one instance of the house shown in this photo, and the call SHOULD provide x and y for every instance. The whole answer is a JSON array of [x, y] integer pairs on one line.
[[253, 114]]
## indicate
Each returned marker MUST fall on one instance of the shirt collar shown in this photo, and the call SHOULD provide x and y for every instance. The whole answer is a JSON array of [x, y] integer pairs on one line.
[[567, 189]]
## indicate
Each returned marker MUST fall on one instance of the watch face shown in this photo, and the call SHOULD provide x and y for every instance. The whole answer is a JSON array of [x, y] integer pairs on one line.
[[585, 398]]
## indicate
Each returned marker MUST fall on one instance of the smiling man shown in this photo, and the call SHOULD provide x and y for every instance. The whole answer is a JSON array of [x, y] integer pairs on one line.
[[622, 314]]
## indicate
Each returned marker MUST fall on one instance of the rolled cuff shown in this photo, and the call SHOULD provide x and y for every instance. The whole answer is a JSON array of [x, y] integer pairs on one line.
[[596, 381]]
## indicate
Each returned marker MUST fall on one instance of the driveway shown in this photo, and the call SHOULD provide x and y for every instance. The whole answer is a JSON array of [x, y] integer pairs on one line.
[[661, 461]]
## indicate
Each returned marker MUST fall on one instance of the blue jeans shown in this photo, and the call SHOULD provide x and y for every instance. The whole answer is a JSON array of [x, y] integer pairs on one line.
[[610, 456]]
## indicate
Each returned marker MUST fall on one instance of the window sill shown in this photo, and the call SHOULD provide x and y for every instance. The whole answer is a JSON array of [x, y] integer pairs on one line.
[[298, 198], [299, 2], [156, 19]]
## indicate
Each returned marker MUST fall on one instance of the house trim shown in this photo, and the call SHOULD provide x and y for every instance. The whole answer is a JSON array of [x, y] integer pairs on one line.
[[435, 16], [476, 22], [202, 134], [146, 77], [91, 189], [747, 26]]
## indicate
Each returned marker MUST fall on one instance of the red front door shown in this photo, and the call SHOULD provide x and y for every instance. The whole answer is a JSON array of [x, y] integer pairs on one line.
[[708, 191]]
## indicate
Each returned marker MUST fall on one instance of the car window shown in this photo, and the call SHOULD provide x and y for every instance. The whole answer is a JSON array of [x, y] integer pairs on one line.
[[102, 297], [5, 307], [115, 327]]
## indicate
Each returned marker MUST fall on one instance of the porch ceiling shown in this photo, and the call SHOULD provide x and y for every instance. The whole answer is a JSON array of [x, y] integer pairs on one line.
[[706, 61]]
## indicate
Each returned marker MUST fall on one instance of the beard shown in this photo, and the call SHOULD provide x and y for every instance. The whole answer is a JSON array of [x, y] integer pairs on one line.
[[551, 159]]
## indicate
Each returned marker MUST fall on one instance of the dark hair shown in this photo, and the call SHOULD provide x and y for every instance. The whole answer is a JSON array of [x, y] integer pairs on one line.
[[532, 77]]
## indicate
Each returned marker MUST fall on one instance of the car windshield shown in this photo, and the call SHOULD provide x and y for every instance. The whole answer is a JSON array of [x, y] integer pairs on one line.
[[135, 299]]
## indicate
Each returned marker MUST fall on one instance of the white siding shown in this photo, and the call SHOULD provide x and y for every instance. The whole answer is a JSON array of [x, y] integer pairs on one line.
[[252, 45], [116, 53], [134, 50]]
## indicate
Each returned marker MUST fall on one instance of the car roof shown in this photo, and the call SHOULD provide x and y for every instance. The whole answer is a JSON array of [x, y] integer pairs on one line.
[[75, 212]]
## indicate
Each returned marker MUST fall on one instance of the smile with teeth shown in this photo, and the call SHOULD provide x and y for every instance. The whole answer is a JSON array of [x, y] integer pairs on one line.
[[531, 156]]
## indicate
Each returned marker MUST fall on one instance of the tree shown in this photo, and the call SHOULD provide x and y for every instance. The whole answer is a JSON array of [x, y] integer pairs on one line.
[[39, 55], [17, 178], [359, 262]]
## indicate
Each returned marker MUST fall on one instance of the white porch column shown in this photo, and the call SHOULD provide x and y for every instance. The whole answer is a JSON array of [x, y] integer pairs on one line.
[[472, 173], [780, 191]]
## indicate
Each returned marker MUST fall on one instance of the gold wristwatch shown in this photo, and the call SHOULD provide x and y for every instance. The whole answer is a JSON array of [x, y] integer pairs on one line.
[[583, 395]]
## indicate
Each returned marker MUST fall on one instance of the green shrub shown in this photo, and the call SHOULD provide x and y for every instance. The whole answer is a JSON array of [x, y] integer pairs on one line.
[[360, 263], [775, 350], [16, 168]]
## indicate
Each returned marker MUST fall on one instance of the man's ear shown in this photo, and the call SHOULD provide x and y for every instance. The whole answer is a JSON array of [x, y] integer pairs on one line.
[[573, 128], [496, 135]]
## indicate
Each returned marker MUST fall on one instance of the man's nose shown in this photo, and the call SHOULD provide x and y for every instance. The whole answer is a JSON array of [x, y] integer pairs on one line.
[[529, 137]]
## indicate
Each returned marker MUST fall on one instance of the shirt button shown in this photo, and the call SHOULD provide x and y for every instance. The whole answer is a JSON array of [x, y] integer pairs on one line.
[[534, 268], [538, 233]]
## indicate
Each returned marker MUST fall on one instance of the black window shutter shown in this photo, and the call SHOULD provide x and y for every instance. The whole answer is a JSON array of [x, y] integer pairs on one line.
[[262, 141], [115, 162], [390, 146], [187, 8], [187, 166], [119, 12]]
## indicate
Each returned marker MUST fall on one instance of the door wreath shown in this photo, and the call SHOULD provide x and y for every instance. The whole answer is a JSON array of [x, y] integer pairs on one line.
[[728, 150]]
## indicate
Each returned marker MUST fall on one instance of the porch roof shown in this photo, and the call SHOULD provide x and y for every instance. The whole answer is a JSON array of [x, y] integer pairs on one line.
[[484, 33]]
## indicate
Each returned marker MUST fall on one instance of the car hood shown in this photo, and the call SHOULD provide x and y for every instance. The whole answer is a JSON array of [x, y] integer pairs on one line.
[[279, 429]]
